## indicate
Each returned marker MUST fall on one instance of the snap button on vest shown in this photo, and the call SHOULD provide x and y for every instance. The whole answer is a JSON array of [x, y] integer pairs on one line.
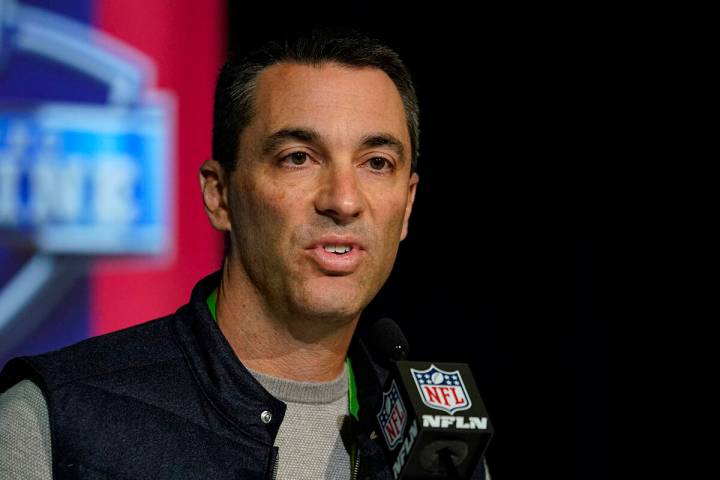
[[266, 416]]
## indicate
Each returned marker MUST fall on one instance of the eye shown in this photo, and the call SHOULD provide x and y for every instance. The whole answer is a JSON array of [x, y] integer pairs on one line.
[[296, 158], [380, 163]]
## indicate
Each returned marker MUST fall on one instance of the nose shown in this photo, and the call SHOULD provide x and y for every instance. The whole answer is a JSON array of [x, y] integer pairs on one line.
[[340, 196]]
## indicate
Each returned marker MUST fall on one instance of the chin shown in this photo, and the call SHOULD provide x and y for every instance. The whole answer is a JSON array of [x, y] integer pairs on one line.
[[331, 299]]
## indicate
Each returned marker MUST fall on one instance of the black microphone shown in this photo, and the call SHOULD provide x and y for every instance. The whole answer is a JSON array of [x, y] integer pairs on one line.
[[387, 342], [433, 422]]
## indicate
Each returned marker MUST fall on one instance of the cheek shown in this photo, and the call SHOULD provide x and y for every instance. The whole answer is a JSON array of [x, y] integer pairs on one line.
[[395, 216], [268, 207], [390, 230], [261, 216]]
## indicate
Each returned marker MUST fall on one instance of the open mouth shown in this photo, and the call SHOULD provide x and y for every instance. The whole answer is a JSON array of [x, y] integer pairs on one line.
[[338, 249], [336, 259]]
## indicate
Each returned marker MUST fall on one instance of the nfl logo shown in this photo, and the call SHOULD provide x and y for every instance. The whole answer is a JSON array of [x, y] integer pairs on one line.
[[442, 390], [392, 417]]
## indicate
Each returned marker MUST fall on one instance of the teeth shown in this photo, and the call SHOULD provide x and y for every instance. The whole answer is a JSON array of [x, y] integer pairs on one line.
[[337, 248]]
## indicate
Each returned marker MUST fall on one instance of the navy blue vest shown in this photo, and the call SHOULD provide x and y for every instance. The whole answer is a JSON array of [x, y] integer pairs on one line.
[[168, 399]]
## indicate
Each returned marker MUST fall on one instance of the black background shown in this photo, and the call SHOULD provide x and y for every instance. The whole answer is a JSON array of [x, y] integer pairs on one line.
[[497, 270]]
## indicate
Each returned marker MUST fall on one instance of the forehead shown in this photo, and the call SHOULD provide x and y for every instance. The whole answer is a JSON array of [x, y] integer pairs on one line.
[[342, 103]]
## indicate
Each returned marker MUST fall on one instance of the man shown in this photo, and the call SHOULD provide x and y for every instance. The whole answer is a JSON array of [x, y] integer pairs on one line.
[[315, 144]]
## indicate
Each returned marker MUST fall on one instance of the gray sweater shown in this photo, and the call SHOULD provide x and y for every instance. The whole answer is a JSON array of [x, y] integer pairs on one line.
[[309, 440]]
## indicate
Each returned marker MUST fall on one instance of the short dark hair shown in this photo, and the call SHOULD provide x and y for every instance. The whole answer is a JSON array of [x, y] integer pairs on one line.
[[234, 92]]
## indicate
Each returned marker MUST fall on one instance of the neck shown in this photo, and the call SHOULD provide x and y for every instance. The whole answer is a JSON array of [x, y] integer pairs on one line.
[[280, 345]]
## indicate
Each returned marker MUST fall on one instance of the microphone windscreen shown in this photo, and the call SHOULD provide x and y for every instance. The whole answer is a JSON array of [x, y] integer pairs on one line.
[[386, 340]]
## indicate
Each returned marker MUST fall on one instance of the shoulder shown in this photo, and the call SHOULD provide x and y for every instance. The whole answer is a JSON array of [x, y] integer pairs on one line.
[[25, 435], [140, 346], [22, 404]]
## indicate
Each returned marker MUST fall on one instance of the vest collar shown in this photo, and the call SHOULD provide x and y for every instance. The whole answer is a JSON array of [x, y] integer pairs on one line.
[[235, 393], [227, 384]]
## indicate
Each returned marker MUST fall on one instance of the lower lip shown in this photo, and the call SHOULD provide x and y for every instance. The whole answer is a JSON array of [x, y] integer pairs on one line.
[[333, 263]]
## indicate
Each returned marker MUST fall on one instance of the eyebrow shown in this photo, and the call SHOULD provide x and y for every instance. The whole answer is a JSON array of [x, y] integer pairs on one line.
[[384, 140], [309, 135], [272, 142]]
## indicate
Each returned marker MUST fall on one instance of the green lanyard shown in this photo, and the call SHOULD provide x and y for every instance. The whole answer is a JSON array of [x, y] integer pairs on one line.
[[353, 404]]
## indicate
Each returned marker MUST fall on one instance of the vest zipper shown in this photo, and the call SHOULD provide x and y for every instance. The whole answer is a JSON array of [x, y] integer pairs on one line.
[[356, 467], [276, 465]]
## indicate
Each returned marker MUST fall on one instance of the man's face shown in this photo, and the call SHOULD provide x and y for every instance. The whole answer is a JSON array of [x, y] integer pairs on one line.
[[324, 165]]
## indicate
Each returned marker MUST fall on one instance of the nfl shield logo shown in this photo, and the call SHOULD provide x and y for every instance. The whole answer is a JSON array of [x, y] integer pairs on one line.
[[442, 390], [392, 417]]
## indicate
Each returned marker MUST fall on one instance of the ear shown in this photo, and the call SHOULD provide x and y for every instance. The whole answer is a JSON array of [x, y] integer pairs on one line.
[[213, 183], [412, 187]]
